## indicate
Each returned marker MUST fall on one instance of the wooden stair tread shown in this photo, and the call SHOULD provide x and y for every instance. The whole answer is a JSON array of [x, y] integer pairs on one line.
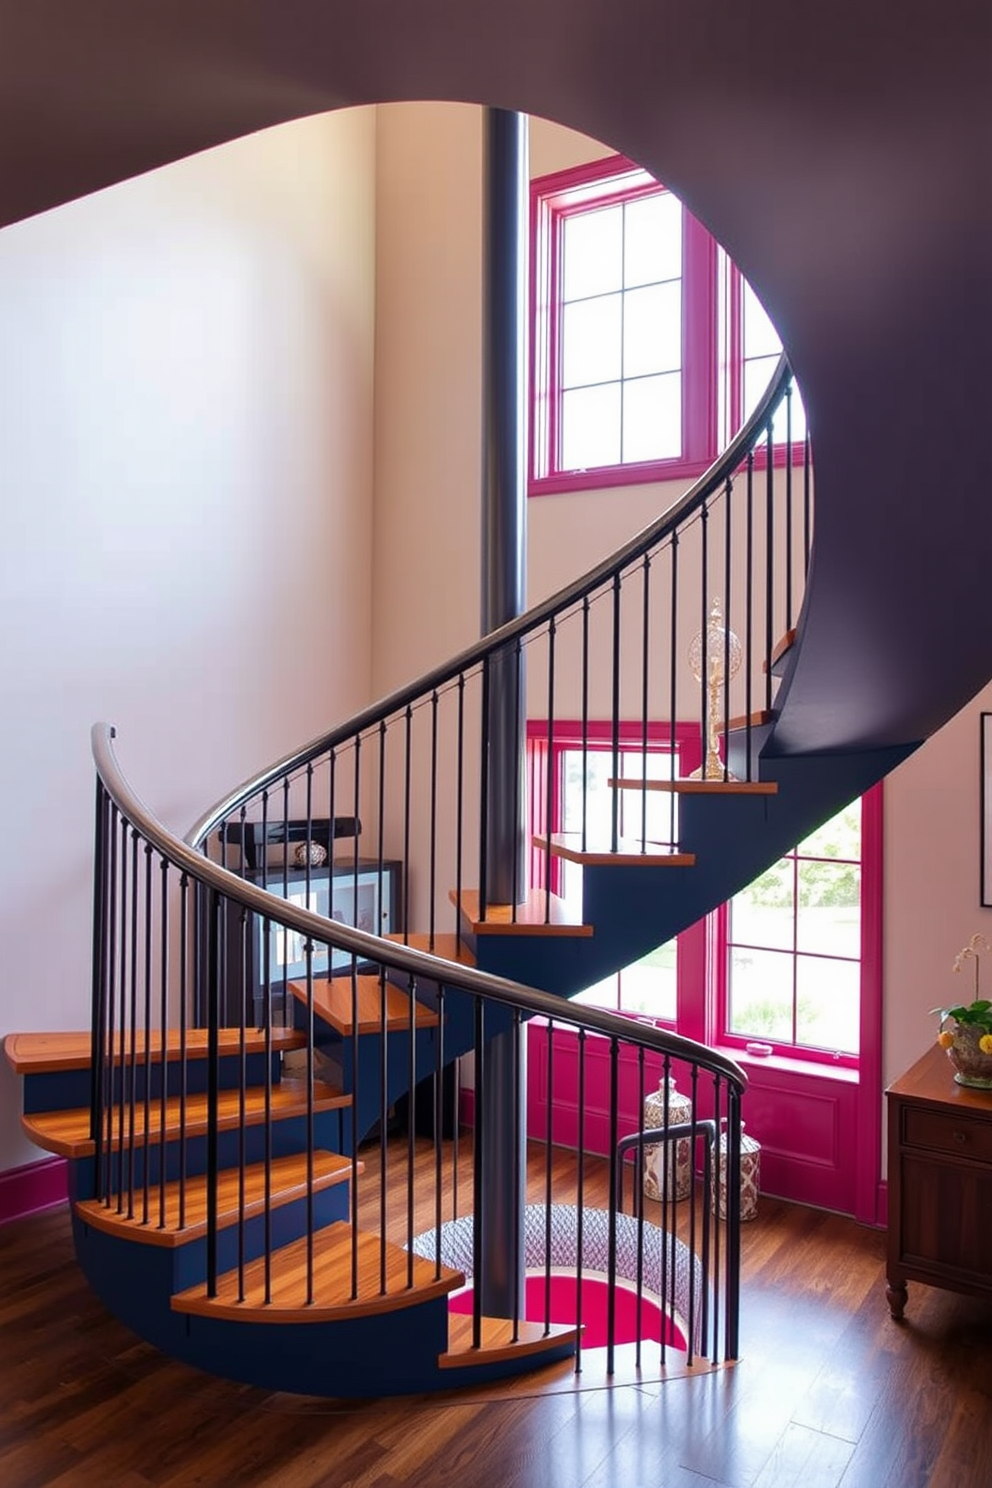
[[700, 787], [48, 1053], [67, 1132], [332, 1282], [333, 1000], [654, 854], [530, 917], [497, 1343], [760, 719], [780, 650], [446, 946], [288, 1183]]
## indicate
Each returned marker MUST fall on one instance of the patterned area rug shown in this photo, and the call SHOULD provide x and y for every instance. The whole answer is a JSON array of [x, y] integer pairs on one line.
[[669, 1270]]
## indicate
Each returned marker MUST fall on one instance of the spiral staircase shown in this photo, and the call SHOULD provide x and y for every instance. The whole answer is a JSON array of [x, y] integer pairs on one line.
[[199, 1137]]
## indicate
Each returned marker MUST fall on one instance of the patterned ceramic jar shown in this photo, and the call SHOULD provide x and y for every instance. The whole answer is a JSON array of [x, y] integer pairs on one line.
[[679, 1182], [750, 1176]]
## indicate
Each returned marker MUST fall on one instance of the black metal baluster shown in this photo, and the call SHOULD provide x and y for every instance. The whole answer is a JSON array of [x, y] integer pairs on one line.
[[308, 955], [769, 569], [580, 1196], [459, 810], [518, 890], [244, 999], [694, 1083], [704, 635], [585, 725], [518, 1176], [640, 1206], [147, 1060], [548, 1176], [439, 1127], [432, 859], [107, 1114], [615, 718], [184, 954], [132, 1063], [484, 794], [728, 491], [266, 958], [212, 942], [788, 506], [611, 1257], [164, 1026], [645, 694], [407, 803], [411, 1145], [478, 1159], [673, 698], [733, 1220], [749, 613], [98, 1015], [549, 775], [355, 1104]]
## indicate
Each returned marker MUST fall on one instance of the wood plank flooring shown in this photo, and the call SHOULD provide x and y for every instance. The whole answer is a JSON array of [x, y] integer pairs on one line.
[[830, 1393]]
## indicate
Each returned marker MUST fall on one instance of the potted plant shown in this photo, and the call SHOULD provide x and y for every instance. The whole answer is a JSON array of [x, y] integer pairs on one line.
[[968, 1039]]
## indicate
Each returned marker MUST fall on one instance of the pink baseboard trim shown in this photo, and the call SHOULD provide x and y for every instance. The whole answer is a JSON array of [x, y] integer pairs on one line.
[[466, 1108], [35, 1186]]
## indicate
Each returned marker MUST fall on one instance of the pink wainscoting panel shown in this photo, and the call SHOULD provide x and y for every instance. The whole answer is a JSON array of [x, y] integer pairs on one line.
[[35, 1186]]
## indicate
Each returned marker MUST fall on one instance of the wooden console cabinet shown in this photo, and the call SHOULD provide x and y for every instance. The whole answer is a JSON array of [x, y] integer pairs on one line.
[[940, 1182]]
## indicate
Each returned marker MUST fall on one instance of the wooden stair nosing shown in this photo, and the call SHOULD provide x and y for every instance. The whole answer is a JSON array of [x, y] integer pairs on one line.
[[498, 1344], [761, 718], [699, 787], [446, 945], [530, 917], [54, 1053], [66, 1133], [333, 1000], [332, 1282], [780, 650], [653, 855], [288, 1182]]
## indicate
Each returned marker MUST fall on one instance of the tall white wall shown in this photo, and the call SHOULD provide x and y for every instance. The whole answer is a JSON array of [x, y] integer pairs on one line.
[[186, 465]]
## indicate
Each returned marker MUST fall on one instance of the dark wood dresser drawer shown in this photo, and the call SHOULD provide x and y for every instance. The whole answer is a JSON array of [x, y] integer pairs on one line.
[[952, 1133]]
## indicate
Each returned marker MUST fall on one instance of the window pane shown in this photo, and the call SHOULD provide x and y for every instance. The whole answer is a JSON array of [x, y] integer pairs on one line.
[[604, 994], [648, 986], [760, 337], [592, 251], [590, 427], [652, 418], [828, 996], [829, 918], [650, 814], [840, 837], [762, 914], [599, 796], [652, 248], [590, 341], [652, 329], [759, 994]]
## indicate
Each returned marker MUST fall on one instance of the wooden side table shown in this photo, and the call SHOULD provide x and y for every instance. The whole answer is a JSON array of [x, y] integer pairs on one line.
[[940, 1182]]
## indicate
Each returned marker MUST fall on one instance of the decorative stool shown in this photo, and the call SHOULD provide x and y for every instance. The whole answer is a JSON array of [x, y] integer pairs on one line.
[[677, 1154], [750, 1176]]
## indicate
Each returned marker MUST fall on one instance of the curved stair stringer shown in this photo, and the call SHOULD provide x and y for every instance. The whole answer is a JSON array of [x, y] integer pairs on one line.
[[634, 908]]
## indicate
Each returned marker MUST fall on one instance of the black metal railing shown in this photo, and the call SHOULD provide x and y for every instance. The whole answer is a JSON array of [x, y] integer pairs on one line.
[[680, 625], [192, 1126]]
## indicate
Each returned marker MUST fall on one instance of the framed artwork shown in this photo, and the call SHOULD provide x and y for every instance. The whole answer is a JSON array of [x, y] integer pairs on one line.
[[985, 809]]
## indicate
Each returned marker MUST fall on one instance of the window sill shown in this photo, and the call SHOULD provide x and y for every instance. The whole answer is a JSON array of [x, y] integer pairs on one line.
[[752, 1064]]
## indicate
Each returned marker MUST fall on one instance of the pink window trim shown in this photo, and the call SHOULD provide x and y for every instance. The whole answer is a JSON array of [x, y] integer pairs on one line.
[[552, 198]]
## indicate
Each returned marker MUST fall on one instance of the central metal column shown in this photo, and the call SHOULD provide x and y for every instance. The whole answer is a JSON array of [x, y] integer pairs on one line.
[[502, 1082]]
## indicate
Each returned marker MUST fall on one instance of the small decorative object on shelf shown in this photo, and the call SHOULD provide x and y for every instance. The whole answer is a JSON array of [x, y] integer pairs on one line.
[[714, 660], [678, 1184], [969, 1041], [314, 853], [750, 1177]]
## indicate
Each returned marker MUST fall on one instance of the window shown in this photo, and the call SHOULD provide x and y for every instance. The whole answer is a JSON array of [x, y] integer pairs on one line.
[[784, 963], [793, 943], [631, 301]]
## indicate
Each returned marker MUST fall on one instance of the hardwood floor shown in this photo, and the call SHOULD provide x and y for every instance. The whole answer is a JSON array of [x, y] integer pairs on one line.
[[830, 1394]]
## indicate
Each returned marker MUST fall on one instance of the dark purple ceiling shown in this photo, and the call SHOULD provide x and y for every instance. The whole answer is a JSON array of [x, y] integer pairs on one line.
[[842, 151]]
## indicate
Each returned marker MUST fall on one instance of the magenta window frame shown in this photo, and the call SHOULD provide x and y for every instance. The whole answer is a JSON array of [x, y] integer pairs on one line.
[[601, 183]]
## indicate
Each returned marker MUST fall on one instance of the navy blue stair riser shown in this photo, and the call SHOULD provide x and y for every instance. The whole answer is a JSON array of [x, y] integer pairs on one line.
[[188, 1262], [634, 909], [390, 1353], [67, 1090], [288, 1136]]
